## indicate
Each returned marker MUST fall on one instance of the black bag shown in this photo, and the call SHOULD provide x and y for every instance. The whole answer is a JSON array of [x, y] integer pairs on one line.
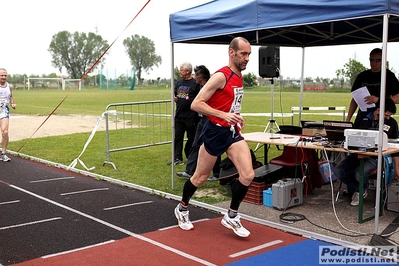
[[228, 172]]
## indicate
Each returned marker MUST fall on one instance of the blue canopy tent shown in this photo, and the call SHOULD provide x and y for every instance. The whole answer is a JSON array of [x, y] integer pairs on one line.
[[302, 23]]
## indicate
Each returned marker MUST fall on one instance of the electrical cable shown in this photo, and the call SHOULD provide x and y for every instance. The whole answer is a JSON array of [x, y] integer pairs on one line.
[[291, 217]]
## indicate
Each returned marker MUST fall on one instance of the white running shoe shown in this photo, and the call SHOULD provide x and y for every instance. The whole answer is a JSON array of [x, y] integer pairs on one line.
[[4, 157], [355, 198], [235, 225], [183, 219]]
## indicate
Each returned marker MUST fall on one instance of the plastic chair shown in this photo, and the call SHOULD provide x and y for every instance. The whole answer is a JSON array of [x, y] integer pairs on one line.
[[293, 159]]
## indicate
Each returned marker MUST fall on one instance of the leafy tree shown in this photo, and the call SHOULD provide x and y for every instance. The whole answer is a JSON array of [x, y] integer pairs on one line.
[[52, 75], [350, 70], [176, 74], [76, 52], [123, 80], [249, 80], [141, 52]]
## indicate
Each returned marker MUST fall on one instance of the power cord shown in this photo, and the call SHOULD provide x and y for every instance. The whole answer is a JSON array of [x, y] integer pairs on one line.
[[290, 217]]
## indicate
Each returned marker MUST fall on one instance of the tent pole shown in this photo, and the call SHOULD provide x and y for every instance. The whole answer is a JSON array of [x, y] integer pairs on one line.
[[381, 121], [301, 90], [172, 96]]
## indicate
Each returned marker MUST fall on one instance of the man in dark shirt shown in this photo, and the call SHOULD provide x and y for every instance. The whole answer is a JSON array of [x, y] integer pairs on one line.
[[371, 79], [202, 75], [348, 169], [185, 91]]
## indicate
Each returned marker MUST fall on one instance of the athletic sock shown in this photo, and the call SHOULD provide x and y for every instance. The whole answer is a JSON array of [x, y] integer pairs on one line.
[[238, 192], [182, 208], [232, 214], [188, 191]]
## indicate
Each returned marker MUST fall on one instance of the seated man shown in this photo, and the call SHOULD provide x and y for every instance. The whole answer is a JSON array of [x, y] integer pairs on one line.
[[348, 169]]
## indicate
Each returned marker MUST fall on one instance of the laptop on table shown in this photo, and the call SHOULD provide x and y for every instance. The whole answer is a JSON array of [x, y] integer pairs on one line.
[[335, 131]]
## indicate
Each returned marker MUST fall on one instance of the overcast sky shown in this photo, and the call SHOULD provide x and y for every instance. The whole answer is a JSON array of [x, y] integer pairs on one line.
[[28, 26]]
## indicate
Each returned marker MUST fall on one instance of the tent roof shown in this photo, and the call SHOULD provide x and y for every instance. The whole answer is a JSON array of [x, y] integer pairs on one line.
[[287, 23]]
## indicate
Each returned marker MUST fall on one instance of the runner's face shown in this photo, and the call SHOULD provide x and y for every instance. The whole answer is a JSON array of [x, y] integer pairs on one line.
[[3, 77], [241, 56]]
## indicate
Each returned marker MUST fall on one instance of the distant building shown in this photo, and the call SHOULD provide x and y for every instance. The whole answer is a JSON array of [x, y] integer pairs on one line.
[[314, 86]]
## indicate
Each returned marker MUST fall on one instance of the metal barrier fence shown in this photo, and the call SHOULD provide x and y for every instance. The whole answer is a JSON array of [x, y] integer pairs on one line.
[[136, 125], [296, 109]]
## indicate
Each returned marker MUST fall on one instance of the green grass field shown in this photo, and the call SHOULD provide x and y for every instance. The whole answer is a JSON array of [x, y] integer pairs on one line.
[[147, 166]]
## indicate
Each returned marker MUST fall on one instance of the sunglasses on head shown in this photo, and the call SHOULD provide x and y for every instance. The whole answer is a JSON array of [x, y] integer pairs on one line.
[[377, 60]]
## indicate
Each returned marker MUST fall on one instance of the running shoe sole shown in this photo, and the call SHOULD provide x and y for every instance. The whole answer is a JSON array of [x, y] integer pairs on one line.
[[227, 225]]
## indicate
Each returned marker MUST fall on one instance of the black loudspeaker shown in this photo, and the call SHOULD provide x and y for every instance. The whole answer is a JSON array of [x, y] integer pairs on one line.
[[269, 62]]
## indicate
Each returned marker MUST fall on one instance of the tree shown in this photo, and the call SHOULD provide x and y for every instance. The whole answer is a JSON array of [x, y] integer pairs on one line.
[[176, 74], [249, 80], [76, 52], [141, 52], [350, 70]]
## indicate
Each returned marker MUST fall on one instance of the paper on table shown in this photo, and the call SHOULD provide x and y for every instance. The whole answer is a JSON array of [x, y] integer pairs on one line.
[[359, 95]]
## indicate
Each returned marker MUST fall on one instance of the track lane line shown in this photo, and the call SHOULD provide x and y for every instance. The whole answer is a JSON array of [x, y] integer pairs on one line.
[[127, 205], [9, 202], [52, 179], [250, 250], [148, 240], [83, 191], [77, 249], [30, 223]]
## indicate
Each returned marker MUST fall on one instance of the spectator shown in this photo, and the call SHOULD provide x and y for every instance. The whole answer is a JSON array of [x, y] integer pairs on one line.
[[185, 91], [348, 169], [371, 78], [202, 75]]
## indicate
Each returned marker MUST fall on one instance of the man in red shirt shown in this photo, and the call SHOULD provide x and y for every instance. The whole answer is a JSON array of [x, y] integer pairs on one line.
[[220, 100]]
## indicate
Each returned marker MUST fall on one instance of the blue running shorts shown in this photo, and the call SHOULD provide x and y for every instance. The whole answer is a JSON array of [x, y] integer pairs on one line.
[[218, 139]]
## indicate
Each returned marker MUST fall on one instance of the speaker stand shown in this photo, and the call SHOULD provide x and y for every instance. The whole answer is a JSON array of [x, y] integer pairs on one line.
[[271, 124]]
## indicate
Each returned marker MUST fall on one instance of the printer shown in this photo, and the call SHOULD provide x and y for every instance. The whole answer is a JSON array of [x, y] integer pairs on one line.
[[365, 140]]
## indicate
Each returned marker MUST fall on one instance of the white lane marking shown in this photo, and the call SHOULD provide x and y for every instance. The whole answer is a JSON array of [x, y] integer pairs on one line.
[[174, 226], [83, 191], [127, 205], [30, 223], [9, 202], [52, 179], [148, 240], [77, 249], [275, 242]]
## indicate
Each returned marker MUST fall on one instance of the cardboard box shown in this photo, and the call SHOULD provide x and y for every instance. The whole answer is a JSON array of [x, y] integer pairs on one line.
[[313, 131]]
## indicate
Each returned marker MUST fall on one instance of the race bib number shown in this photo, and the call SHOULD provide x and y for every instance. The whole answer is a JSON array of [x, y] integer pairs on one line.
[[238, 95], [3, 103]]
